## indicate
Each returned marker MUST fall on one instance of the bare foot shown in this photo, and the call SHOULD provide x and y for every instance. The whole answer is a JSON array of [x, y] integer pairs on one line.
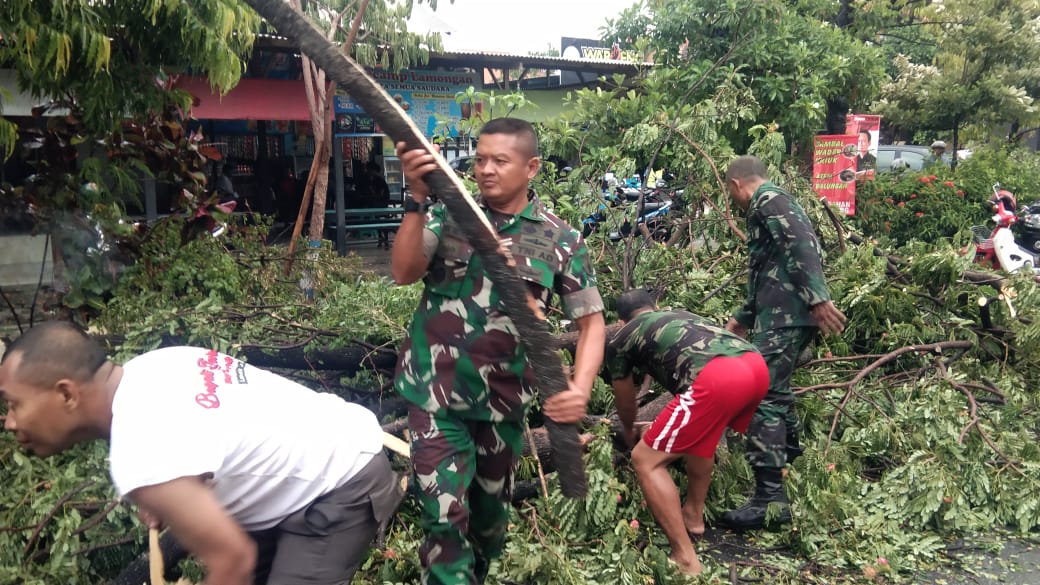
[[694, 522], [691, 567]]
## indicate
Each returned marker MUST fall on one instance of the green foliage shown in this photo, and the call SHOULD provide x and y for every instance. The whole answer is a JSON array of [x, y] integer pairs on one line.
[[61, 521], [216, 291], [384, 24], [982, 71], [790, 61], [103, 58], [921, 206], [1016, 169]]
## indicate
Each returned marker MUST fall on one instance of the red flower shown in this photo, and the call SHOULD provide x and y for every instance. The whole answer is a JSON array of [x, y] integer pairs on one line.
[[913, 195], [933, 177], [902, 204], [960, 193], [948, 183], [890, 201], [925, 180], [919, 214]]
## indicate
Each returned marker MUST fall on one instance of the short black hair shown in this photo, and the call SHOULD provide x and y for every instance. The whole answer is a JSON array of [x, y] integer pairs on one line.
[[867, 132], [632, 301], [746, 166], [53, 351], [514, 127]]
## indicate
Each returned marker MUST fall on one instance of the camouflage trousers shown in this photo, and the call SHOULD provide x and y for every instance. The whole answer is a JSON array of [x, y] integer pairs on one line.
[[463, 481], [773, 433]]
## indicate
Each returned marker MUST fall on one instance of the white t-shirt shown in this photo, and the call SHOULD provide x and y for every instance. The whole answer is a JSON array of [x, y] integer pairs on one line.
[[271, 445]]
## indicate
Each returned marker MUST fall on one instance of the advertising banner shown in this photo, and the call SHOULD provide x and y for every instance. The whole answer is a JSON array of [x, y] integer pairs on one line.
[[423, 94], [867, 129], [834, 170]]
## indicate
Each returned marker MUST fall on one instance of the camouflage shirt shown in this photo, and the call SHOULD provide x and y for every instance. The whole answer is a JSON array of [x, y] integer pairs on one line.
[[462, 353], [672, 346], [786, 277]]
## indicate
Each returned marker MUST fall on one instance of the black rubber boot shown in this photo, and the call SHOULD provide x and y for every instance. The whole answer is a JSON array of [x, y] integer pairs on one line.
[[481, 566], [768, 489]]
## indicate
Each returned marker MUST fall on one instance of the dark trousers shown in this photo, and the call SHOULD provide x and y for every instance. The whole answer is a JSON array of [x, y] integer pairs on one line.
[[326, 542], [775, 422]]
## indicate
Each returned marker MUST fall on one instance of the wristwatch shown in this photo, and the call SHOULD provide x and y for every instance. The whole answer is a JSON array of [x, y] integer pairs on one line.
[[413, 206]]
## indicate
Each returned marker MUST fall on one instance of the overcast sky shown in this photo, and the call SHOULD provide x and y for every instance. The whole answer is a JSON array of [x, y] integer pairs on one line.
[[516, 26]]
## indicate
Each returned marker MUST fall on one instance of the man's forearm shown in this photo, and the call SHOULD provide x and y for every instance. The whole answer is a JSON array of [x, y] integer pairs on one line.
[[625, 401], [408, 261], [588, 355]]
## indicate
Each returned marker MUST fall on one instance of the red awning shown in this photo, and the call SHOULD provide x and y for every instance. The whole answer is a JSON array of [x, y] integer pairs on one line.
[[251, 99]]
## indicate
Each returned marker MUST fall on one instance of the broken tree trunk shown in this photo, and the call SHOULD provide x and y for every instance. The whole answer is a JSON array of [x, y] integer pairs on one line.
[[520, 305]]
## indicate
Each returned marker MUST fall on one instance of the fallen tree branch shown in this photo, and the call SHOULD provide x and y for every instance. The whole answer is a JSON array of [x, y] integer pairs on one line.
[[889, 357], [973, 414], [35, 536]]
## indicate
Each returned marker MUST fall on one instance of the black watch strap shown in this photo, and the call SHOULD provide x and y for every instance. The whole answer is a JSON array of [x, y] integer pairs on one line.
[[413, 206]]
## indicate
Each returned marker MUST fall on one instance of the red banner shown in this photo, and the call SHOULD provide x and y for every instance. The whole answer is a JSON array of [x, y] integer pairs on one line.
[[866, 128], [834, 170]]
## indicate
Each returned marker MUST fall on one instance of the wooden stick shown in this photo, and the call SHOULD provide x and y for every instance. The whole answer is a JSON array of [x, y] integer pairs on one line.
[[155, 560], [397, 445]]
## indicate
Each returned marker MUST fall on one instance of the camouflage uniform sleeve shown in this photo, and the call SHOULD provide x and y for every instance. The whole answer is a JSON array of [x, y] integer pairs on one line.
[[576, 285], [745, 315], [617, 362], [433, 229], [794, 235]]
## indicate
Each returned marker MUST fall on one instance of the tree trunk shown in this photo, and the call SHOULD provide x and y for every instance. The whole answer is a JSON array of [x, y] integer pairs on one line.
[[501, 267], [956, 145]]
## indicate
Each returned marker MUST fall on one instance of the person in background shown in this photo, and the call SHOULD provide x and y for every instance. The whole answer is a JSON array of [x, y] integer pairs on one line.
[[463, 367], [787, 302], [938, 150], [379, 192], [717, 378], [224, 187], [261, 479]]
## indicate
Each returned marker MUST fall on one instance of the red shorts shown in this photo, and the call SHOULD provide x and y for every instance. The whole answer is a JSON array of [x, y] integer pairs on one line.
[[726, 393]]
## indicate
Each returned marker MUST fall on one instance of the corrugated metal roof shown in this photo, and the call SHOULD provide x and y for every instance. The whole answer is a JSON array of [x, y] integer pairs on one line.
[[563, 61]]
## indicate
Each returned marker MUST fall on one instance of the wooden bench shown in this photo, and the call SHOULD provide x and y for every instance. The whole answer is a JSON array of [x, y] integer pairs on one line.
[[368, 218]]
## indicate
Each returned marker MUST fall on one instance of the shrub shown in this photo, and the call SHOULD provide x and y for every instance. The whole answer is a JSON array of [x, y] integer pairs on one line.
[[917, 206]]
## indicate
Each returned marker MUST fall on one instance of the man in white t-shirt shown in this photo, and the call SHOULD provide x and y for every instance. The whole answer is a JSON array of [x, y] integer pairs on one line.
[[262, 479]]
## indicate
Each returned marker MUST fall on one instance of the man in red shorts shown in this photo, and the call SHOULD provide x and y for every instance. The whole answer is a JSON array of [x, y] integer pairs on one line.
[[717, 378]]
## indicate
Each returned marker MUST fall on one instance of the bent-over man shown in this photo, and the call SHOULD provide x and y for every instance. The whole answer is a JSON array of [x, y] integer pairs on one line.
[[261, 479], [718, 380]]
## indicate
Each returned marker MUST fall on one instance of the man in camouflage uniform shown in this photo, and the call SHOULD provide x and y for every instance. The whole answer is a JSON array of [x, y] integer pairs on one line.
[[462, 368], [718, 380], [787, 301]]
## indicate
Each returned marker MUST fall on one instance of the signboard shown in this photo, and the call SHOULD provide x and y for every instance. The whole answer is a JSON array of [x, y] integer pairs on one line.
[[867, 129], [424, 95], [573, 48], [834, 170]]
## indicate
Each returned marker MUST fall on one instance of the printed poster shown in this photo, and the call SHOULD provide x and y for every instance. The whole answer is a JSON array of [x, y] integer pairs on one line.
[[867, 130], [834, 170], [424, 95]]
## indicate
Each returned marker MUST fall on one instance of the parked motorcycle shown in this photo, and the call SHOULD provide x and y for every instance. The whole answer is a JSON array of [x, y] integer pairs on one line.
[[1014, 243], [656, 206]]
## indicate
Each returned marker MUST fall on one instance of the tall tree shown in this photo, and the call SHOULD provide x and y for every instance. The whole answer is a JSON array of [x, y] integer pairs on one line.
[[102, 58], [110, 64], [374, 32], [791, 59], [984, 70]]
